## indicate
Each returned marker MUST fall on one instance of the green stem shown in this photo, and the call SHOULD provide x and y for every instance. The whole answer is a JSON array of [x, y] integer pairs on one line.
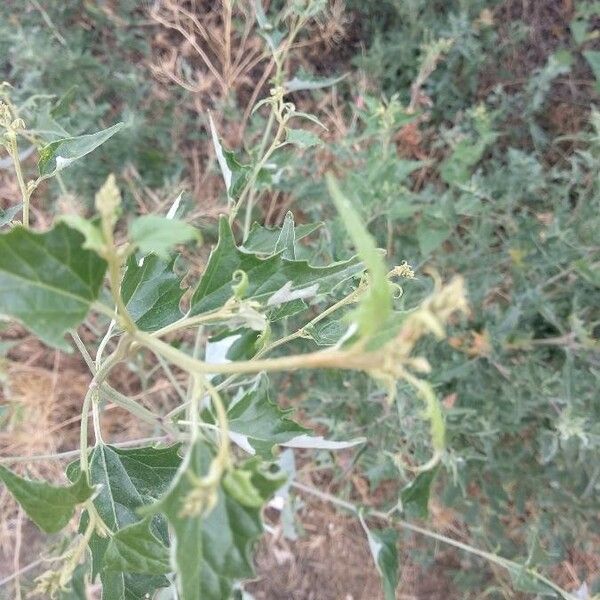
[[25, 193], [116, 397], [255, 172], [97, 380], [252, 194], [223, 456], [185, 322], [326, 359], [68, 454]]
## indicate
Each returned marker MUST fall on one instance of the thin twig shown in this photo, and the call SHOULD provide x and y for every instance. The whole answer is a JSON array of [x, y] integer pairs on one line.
[[494, 558], [73, 453]]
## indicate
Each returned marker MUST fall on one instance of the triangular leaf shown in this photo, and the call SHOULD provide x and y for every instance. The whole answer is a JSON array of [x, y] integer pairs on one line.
[[50, 507], [257, 424], [272, 280], [415, 495], [152, 292], [262, 240], [135, 549], [48, 280], [60, 154]]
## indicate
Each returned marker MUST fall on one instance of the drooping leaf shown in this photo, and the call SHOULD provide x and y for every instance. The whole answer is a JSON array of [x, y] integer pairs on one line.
[[383, 546], [257, 424], [272, 280], [318, 442], [153, 234], [376, 305], [135, 549], [152, 292], [50, 507], [415, 495], [60, 154], [129, 480], [209, 552], [48, 280], [8, 214]]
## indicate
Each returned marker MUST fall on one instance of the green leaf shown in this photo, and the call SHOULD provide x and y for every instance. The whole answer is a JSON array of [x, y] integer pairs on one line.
[[46, 127], [302, 138], [415, 495], [60, 154], [273, 280], [457, 168], [130, 586], [235, 175], [152, 292], [157, 235], [136, 549], [264, 241], [431, 234], [129, 479], [303, 81], [593, 58], [253, 482], [376, 304], [286, 242], [48, 280], [524, 581], [327, 333], [8, 214], [587, 271], [383, 546], [50, 507], [209, 552], [257, 424]]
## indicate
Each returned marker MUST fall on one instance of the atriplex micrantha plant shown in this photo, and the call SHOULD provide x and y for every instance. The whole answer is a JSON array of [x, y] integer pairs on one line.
[[179, 517], [185, 511]]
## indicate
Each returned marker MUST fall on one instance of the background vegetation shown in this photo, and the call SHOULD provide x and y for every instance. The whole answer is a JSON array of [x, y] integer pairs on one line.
[[466, 134]]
